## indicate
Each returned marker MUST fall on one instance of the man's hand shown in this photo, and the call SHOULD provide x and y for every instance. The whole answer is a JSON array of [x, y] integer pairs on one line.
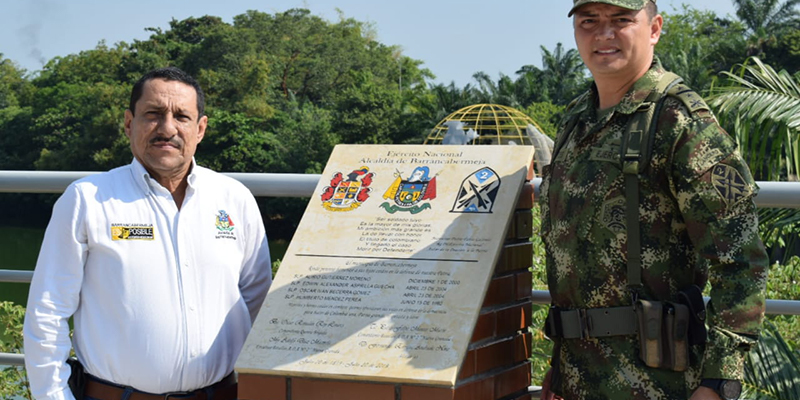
[[703, 393], [546, 393]]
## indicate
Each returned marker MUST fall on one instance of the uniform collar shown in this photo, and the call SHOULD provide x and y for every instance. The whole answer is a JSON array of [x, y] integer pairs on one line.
[[641, 89], [145, 181], [632, 99]]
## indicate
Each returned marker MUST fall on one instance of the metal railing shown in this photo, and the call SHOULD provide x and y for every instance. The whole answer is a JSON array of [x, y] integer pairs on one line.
[[771, 195]]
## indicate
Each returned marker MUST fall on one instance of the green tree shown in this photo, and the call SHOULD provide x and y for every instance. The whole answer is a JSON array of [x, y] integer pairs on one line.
[[761, 107], [768, 16], [13, 380], [697, 44], [561, 79], [772, 369], [768, 23]]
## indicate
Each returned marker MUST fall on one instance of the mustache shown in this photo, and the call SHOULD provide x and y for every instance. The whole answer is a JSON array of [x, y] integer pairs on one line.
[[174, 140]]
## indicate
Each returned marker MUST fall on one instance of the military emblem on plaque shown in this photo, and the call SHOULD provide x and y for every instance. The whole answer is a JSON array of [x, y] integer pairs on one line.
[[409, 194], [347, 194], [478, 192]]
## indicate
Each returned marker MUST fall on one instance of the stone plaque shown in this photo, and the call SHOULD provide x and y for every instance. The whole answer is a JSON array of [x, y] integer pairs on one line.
[[387, 271]]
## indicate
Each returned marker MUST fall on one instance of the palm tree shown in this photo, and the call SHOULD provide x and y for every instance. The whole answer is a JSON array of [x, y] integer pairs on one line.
[[560, 79], [564, 69], [761, 107], [767, 16], [772, 369]]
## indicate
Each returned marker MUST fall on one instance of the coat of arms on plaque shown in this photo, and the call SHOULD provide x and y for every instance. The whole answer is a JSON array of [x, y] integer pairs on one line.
[[478, 192], [408, 194], [347, 194]]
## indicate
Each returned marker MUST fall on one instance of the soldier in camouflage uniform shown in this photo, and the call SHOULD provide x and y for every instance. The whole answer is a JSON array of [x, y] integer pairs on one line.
[[697, 220]]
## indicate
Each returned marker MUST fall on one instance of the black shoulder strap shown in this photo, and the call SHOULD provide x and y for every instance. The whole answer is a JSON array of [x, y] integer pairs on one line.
[[637, 143]]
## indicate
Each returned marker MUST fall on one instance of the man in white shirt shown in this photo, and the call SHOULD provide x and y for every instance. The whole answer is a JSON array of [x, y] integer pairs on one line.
[[163, 264]]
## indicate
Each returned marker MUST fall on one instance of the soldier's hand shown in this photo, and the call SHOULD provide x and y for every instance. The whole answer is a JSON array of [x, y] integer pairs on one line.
[[546, 393], [704, 393]]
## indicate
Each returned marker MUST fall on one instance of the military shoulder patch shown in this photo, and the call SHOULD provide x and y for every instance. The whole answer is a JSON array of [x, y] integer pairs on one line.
[[729, 184]]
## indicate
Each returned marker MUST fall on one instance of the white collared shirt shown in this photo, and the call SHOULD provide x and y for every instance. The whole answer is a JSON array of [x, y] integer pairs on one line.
[[162, 299]]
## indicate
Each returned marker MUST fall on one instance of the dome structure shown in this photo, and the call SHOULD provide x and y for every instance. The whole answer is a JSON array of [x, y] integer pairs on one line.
[[485, 124]]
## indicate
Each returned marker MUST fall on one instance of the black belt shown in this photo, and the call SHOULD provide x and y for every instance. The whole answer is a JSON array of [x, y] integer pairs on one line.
[[591, 322], [226, 389]]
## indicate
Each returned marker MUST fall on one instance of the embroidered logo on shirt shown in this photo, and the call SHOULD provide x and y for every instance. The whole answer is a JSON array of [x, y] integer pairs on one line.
[[132, 232], [224, 221], [613, 214], [224, 224], [729, 183]]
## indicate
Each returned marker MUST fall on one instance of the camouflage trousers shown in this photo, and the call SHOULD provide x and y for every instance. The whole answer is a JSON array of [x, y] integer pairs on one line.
[[610, 369]]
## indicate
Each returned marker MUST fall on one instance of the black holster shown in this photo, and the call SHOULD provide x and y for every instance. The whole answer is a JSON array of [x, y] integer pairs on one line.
[[692, 297], [77, 378]]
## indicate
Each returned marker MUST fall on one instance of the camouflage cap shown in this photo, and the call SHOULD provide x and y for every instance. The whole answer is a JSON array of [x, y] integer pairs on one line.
[[629, 4]]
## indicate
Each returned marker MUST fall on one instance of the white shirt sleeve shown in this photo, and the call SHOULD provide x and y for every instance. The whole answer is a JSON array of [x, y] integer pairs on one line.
[[256, 274], [54, 296]]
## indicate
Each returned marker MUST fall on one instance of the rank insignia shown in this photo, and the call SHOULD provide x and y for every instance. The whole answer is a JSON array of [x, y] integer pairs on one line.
[[347, 194], [729, 184], [407, 194], [224, 221], [613, 214], [478, 192], [132, 232]]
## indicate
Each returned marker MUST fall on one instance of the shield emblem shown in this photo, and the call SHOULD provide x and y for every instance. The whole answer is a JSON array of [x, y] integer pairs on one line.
[[410, 193], [345, 194], [478, 192]]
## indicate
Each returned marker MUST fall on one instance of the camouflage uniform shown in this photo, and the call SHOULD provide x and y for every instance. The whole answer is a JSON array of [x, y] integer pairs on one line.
[[698, 223]]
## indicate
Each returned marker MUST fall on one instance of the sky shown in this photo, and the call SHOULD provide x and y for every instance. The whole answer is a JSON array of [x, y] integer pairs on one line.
[[450, 37]]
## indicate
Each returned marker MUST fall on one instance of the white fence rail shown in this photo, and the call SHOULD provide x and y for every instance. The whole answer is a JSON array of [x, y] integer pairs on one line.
[[771, 195]]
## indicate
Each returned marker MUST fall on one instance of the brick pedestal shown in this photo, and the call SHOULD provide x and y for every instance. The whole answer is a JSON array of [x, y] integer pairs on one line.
[[496, 366]]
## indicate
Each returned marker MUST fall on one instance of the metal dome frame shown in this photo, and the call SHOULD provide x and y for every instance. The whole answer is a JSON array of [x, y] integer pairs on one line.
[[494, 123]]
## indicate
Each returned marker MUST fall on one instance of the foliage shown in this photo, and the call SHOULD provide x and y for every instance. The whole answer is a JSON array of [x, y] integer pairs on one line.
[[772, 369], [13, 380], [784, 283], [764, 108], [768, 16], [761, 107], [547, 115], [696, 44], [542, 348]]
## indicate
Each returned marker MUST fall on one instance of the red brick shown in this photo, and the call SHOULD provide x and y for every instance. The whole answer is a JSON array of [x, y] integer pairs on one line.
[[523, 224], [261, 387], [468, 366], [524, 281], [518, 256], [495, 355], [522, 346], [477, 390], [501, 290], [531, 173], [426, 393], [526, 199], [317, 389], [512, 319], [484, 327], [512, 380]]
